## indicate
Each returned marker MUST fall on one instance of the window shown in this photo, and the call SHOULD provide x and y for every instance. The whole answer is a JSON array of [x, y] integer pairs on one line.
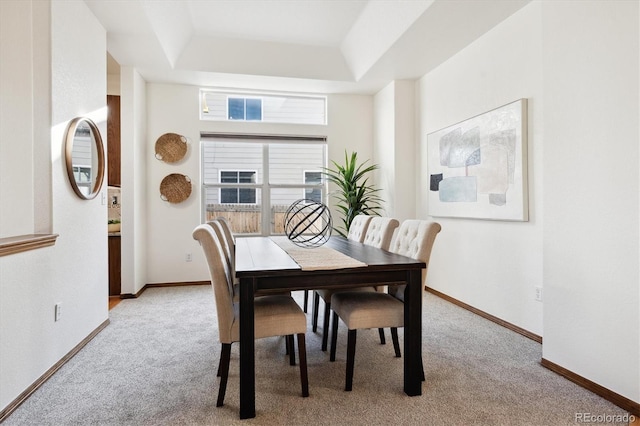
[[237, 195], [252, 180], [82, 175], [314, 193], [263, 107], [249, 109]]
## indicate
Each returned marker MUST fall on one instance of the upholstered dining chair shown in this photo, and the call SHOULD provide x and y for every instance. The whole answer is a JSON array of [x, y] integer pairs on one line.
[[228, 242], [277, 315], [358, 227], [228, 249], [414, 239], [378, 231], [379, 234], [357, 231], [228, 232]]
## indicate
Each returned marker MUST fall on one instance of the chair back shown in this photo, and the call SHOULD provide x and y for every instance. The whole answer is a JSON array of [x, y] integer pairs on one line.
[[414, 239], [229, 252], [226, 227], [221, 279], [358, 227], [380, 231]]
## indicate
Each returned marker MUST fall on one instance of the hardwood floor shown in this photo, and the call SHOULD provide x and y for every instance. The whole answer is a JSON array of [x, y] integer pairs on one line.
[[113, 301]]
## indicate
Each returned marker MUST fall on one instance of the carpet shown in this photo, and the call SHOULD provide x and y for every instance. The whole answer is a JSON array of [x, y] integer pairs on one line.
[[155, 364]]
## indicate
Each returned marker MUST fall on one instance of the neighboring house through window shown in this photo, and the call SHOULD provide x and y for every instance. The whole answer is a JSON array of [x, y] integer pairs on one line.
[[249, 109], [237, 195]]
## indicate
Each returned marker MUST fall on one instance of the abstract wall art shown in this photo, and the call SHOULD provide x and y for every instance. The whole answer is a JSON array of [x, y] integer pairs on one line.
[[478, 167]]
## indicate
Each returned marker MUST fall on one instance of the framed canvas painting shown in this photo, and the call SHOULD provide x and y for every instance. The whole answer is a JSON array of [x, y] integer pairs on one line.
[[478, 167]]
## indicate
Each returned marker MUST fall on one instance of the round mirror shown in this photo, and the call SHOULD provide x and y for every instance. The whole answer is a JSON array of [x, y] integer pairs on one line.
[[84, 155]]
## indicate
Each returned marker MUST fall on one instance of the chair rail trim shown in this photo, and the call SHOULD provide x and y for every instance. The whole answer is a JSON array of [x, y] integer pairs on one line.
[[21, 243]]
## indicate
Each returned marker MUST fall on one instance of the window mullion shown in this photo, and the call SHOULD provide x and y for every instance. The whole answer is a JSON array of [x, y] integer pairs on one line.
[[266, 192]]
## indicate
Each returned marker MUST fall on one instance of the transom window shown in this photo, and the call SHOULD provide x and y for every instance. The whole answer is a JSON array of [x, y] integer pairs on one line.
[[263, 107]]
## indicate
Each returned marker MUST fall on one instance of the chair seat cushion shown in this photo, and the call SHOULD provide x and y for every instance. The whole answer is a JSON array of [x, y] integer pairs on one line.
[[277, 315], [326, 293], [368, 309]]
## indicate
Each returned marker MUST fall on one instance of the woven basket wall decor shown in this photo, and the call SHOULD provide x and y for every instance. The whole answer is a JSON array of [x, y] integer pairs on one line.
[[171, 147], [175, 188]]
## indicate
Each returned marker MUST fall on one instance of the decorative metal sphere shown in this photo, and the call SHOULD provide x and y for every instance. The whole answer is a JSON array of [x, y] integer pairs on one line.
[[307, 223]]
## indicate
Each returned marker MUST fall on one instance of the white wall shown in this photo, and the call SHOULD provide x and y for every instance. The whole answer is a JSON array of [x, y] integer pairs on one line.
[[591, 186], [395, 148], [133, 180], [384, 145], [74, 271], [174, 108], [491, 265], [17, 77], [577, 64]]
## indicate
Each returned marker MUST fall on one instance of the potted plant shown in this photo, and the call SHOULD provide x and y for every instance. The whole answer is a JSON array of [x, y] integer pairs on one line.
[[113, 225], [354, 193]]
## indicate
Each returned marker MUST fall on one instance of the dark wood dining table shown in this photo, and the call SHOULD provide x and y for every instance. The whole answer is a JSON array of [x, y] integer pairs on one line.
[[262, 267]]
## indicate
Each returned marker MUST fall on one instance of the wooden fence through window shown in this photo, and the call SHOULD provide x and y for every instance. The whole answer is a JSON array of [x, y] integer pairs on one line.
[[246, 218]]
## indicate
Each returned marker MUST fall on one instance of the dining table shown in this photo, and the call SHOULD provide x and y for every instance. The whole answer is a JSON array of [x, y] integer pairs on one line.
[[271, 265]]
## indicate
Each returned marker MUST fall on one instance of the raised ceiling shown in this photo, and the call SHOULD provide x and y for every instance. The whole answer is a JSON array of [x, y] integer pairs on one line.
[[331, 46]]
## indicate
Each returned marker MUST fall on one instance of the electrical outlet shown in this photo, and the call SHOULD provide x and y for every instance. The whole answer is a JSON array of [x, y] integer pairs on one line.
[[58, 311], [187, 257], [539, 294]]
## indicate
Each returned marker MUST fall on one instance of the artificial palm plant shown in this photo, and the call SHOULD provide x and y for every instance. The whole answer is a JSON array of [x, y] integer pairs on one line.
[[354, 193]]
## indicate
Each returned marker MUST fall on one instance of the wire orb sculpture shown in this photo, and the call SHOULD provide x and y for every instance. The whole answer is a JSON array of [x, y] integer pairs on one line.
[[308, 223]]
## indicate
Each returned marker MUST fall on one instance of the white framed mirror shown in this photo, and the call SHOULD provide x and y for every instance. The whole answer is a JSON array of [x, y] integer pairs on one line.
[[84, 157]]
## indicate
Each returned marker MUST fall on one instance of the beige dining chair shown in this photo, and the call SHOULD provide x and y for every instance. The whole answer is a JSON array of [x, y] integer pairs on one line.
[[378, 231], [414, 239], [228, 249], [357, 231], [228, 232], [379, 234], [358, 227], [222, 230], [277, 315]]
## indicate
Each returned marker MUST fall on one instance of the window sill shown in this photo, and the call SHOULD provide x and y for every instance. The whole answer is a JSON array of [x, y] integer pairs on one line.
[[20, 243]]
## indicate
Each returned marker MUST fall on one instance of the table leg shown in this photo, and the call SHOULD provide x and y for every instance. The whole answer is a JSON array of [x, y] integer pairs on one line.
[[413, 334], [247, 350]]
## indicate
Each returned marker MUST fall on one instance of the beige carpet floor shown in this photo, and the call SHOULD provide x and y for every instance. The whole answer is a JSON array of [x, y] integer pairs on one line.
[[155, 364]]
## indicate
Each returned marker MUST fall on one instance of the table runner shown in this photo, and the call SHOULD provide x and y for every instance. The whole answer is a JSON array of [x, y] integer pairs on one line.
[[318, 258]]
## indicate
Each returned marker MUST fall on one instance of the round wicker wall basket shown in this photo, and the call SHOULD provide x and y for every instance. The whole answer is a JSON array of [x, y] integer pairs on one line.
[[175, 188], [171, 147]]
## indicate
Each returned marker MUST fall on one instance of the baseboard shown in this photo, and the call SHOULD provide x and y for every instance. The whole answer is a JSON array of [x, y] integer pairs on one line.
[[178, 284], [485, 315], [50, 372], [174, 284], [617, 399]]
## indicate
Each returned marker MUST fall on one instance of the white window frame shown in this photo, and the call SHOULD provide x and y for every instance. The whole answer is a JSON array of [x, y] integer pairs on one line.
[[264, 186]]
